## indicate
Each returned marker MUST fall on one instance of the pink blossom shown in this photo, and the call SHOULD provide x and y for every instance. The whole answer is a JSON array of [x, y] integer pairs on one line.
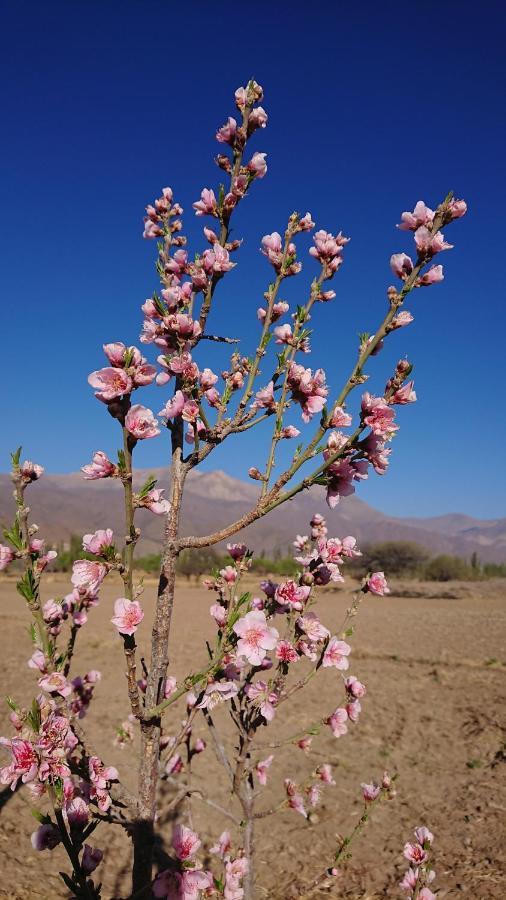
[[99, 542], [328, 249], [38, 661], [237, 551], [295, 799], [433, 276], [23, 765], [257, 119], [377, 584], [110, 383], [266, 699], [185, 842], [154, 501], [354, 686], [404, 394], [291, 594], [30, 471], [401, 265], [428, 244], [141, 423], [91, 858], [402, 319], [100, 467], [289, 431], [47, 837], [310, 624], [410, 880], [286, 652], [370, 792], [229, 574], [127, 615], [217, 692], [219, 614], [264, 398], [55, 683], [78, 814], [256, 637], [426, 894], [337, 722], [421, 215], [340, 418], [174, 765], [207, 205], [325, 773], [226, 134], [354, 708], [423, 835], [457, 208], [262, 768], [223, 845], [415, 853], [207, 379], [6, 556], [336, 654], [283, 334], [378, 415], [307, 389], [88, 575], [257, 165], [174, 407]]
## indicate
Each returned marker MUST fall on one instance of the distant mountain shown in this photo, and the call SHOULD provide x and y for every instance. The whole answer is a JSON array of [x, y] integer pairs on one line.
[[63, 505]]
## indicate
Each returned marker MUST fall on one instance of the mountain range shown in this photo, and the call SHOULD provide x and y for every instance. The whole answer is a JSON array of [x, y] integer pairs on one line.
[[63, 505]]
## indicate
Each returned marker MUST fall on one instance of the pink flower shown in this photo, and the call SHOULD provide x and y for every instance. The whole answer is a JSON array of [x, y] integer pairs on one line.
[[88, 575], [99, 774], [55, 683], [185, 842], [401, 265], [337, 722], [428, 244], [310, 624], [354, 708], [291, 594], [295, 799], [229, 574], [336, 654], [340, 418], [216, 693], [262, 768], [100, 467], [421, 215], [207, 205], [173, 407], [37, 661], [289, 431], [402, 319], [264, 398], [433, 276], [155, 501], [378, 415], [328, 249], [354, 686], [6, 556], [78, 814], [423, 835], [223, 845], [325, 773], [99, 542], [91, 858], [426, 894], [370, 792], [404, 394], [266, 699], [226, 134], [256, 637], [415, 853], [219, 614], [141, 423], [457, 208], [47, 837], [23, 765], [110, 383], [286, 652], [257, 165], [30, 471], [237, 551], [377, 584], [127, 615]]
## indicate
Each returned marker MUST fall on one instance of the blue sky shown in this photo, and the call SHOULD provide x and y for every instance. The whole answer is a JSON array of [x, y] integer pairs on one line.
[[371, 107]]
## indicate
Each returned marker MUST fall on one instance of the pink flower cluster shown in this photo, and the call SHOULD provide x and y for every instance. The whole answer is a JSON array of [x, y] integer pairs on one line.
[[427, 241], [417, 878], [307, 389], [128, 370]]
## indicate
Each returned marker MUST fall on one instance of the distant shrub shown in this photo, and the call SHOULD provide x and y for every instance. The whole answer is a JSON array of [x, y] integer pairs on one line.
[[448, 568], [396, 558]]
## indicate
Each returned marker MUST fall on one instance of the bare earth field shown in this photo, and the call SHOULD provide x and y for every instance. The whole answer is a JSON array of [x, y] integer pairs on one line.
[[434, 714]]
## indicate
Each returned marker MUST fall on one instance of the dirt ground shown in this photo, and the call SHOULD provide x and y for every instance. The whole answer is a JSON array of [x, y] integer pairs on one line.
[[434, 713]]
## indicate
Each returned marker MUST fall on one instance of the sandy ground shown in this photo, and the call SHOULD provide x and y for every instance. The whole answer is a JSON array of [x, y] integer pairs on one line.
[[434, 714]]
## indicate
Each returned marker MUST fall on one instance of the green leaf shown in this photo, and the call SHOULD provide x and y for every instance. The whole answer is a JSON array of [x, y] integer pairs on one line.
[[14, 535], [121, 461], [41, 817], [27, 586], [12, 704], [148, 486], [15, 457]]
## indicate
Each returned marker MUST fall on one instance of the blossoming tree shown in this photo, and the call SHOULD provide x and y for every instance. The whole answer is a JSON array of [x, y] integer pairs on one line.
[[267, 648]]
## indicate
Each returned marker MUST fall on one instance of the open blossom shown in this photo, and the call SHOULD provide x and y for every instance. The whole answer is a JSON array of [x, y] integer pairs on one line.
[[340, 418], [415, 853], [30, 471], [257, 165], [295, 798], [337, 722], [217, 692], [378, 415], [100, 467], [428, 244], [128, 615], [328, 249], [324, 772], [6, 556], [55, 683], [110, 383], [310, 624], [433, 276], [402, 319], [154, 501], [265, 698], [377, 584], [222, 845], [291, 594], [24, 763], [185, 842], [404, 394], [336, 654], [88, 575], [256, 637], [423, 835], [99, 542], [226, 134], [354, 686], [174, 407], [262, 768], [207, 205], [286, 652], [370, 792], [264, 398], [141, 423], [421, 215]]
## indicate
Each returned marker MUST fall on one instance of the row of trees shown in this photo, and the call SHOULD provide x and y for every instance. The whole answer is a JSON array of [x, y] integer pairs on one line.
[[401, 558]]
